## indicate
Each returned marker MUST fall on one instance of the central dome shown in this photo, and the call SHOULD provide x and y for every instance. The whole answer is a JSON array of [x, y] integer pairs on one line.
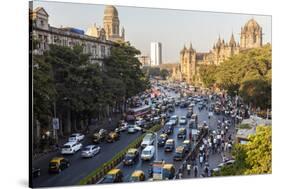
[[110, 11], [251, 24]]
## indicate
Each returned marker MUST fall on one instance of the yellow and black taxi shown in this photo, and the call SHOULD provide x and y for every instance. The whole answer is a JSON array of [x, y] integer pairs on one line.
[[113, 176], [57, 164], [179, 154], [182, 133], [162, 139], [187, 145], [131, 156], [137, 176], [112, 136]]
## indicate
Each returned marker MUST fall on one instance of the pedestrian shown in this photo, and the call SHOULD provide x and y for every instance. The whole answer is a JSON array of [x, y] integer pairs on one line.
[[184, 164], [229, 147], [195, 170], [229, 137], [188, 168], [225, 146], [201, 160]]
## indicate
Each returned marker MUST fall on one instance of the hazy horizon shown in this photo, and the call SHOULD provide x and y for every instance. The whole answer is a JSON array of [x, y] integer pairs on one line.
[[173, 28]]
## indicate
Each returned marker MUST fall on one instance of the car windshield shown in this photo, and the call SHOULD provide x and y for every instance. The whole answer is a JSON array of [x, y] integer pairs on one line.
[[130, 154], [52, 164], [146, 152], [169, 142], [87, 148], [66, 146], [109, 176]]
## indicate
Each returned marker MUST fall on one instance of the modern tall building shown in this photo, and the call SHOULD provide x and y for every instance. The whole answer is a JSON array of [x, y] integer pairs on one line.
[[155, 53]]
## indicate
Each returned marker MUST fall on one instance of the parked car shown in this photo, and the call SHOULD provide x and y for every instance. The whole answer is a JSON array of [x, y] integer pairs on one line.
[[169, 145], [147, 140], [71, 148], [183, 120], [137, 176], [162, 139], [113, 176], [131, 156], [112, 136], [57, 164], [99, 136], [148, 153], [90, 151], [76, 137]]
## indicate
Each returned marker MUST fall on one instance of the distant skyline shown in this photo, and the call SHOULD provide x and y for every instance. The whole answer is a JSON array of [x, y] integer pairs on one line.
[[173, 28]]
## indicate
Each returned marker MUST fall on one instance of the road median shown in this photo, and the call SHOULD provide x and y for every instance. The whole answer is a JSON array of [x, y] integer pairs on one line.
[[98, 173]]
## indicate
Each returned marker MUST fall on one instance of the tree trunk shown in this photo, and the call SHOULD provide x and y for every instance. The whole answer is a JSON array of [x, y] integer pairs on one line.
[[60, 124], [74, 122], [68, 122]]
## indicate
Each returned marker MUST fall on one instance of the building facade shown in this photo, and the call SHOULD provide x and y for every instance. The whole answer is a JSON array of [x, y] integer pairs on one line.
[[110, 26], [190, 60], [44, 34], [155, 53]]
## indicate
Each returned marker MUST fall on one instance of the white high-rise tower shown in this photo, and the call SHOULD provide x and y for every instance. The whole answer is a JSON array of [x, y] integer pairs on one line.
[[155, 53]]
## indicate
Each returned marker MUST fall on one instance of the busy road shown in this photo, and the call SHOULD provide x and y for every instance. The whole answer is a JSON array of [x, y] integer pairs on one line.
[[166, 103]]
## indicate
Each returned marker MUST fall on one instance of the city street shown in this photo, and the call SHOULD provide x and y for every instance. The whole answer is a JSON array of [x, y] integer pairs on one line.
[[80, 167], [214, 160]]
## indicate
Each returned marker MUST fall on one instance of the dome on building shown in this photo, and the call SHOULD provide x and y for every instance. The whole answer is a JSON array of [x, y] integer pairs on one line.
[[251, 25], [110, 11]]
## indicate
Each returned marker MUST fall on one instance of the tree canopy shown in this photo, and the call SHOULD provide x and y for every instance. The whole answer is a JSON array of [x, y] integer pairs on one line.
[[247, 74], [255, 157]]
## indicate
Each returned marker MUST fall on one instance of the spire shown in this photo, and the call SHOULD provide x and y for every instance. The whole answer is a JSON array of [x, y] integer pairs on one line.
[[232, 42], [190, 47], [123, 32]]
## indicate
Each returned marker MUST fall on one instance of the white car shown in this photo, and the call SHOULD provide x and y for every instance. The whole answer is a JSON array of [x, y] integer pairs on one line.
[[132, 129], [71, 148], [183, 120], [147, 140], [76, 137], [90, 151], [148, 153]]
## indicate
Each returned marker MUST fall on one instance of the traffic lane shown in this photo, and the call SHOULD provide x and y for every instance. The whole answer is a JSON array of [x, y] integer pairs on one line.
[[80, 167], [162, 155]]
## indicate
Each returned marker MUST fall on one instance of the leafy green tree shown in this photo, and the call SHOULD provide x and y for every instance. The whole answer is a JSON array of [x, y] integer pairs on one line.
[[164, 73], [208, 75], [255, 157]]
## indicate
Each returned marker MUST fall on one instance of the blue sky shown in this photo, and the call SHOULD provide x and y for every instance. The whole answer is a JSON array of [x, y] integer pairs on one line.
[[173, 28]]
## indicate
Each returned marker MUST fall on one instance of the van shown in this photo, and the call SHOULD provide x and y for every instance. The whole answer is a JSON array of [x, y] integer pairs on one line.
[[71, 148], [148, 153], [147, 140]]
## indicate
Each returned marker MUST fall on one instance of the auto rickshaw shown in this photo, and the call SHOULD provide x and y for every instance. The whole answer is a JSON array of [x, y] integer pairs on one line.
[[137, 176]]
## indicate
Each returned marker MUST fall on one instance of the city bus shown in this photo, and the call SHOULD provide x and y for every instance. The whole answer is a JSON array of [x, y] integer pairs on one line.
[[140, 111]]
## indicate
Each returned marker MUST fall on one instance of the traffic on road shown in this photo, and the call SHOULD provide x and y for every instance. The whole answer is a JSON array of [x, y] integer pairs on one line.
[[196, 137]]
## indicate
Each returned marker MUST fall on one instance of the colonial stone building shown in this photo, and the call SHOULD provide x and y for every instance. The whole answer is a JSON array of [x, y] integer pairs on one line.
[[110, 26], [190, 60], [98, 45]]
